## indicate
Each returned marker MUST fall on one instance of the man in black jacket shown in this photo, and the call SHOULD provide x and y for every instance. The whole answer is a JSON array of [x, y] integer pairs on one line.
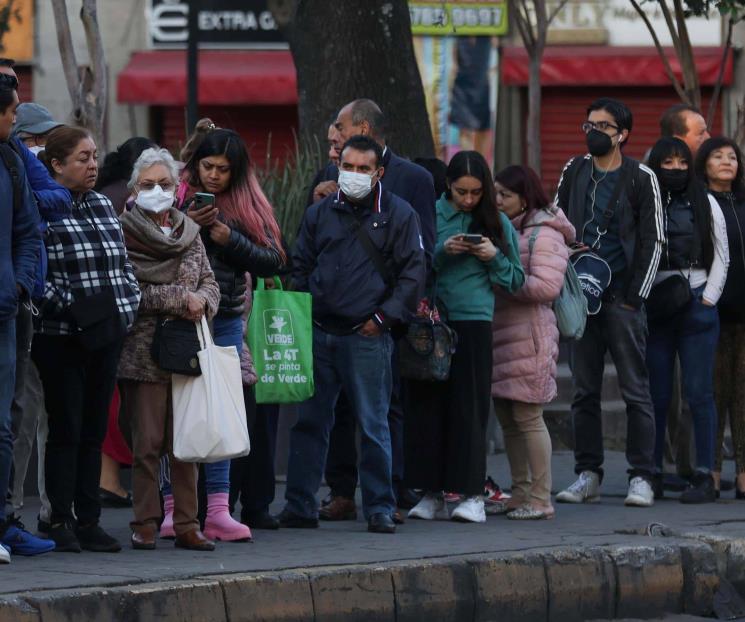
[[414, 184], [622, 225], [359, 254]]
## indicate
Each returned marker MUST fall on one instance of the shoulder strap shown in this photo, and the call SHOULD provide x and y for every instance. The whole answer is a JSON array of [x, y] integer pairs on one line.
[[367, 244], [11, 163], [531, 241], [610, 209]]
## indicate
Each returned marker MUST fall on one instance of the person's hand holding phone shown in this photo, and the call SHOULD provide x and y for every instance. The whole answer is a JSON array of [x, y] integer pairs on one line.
[[484, 250], [455, 245], [202, 209]]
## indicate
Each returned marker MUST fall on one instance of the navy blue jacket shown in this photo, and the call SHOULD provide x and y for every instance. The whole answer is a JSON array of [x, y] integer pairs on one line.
[[53, 201], [330, 262], [411, 182], [19, 242]]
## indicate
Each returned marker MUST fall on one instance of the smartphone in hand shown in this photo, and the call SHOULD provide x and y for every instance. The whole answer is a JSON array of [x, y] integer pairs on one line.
[[203, 199], [471, 238]]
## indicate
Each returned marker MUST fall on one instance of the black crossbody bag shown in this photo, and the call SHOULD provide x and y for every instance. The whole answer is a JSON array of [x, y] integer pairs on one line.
[[426, 345], [175, 346]]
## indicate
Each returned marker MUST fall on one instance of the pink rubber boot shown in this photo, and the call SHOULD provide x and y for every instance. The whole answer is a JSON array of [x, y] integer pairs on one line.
[[220, 525], [166, 527]]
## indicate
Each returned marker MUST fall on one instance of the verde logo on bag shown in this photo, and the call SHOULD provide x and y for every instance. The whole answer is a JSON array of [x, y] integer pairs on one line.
[[278, 323]]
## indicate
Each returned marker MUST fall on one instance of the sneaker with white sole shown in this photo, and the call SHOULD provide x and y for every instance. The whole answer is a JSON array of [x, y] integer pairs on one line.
[[431, 506], [640, 494], [585, 490], [470, 510]]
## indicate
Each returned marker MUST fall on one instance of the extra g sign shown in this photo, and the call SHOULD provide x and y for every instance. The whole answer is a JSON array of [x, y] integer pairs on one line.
[[221, 23]]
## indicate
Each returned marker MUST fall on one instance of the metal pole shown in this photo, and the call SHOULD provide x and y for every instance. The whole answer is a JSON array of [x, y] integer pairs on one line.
[[192, 64]]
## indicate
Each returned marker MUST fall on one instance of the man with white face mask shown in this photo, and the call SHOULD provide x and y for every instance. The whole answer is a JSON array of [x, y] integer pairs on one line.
[[33, 124], [359, 253]]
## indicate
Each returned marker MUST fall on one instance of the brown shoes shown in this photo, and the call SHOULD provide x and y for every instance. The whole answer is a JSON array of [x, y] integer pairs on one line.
[[143, 537], [194, 540], [340, 508]]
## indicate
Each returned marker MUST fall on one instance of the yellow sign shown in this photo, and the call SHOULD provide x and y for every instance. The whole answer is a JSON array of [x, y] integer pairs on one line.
[[466, 18], [17, 30]]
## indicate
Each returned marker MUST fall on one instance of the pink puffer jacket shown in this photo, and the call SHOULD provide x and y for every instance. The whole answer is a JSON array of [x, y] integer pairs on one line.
[[525, 337]]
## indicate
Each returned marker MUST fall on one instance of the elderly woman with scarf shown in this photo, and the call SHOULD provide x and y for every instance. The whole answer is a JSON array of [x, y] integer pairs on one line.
[[176, 280]]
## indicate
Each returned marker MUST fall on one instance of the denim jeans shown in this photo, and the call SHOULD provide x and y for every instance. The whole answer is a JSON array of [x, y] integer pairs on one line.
[[623, 332], [361, 366], [7, 386], [228, 331], [692, 335]]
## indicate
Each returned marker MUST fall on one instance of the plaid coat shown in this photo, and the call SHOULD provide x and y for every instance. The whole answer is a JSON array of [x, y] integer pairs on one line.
[[86, 255]]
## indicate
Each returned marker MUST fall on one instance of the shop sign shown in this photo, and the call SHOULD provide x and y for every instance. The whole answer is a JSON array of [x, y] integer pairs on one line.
[[221, 23], [463, 17]]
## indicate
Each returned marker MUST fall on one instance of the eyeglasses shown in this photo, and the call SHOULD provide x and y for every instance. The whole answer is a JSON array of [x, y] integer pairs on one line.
[[598, 125], [34, 140], [146, 186]]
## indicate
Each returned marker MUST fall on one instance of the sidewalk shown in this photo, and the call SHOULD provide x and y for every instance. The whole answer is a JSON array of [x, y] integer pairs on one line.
[[607, 525]]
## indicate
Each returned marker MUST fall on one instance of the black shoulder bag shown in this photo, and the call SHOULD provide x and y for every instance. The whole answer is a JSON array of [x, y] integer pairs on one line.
[[176, 346], [428, 344]]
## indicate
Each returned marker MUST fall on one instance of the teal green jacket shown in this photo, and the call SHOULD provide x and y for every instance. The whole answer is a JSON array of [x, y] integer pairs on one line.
[[465, 284]]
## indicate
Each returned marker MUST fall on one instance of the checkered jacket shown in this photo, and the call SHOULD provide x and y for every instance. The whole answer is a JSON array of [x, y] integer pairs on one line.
[[86, 255]]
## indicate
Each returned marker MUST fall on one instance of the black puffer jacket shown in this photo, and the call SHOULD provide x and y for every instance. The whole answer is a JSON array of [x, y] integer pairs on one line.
[[230, 264]]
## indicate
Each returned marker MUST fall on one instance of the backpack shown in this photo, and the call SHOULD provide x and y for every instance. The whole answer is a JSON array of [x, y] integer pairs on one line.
[[570, 308]]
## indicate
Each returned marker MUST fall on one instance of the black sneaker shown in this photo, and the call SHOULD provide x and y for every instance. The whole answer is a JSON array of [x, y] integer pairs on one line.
[[93, 538], [292, 521], [65, 540], [701, 490]]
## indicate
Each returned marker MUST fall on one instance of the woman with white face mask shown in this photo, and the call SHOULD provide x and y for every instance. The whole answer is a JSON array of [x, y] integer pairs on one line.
[[176, 281]]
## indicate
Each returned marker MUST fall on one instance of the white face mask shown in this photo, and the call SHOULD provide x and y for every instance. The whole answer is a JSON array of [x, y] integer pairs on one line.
[[355, 185], [155, 200], [36, 150]]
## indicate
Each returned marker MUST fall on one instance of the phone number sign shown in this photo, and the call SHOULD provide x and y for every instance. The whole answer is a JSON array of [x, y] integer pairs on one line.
[[468, 17]]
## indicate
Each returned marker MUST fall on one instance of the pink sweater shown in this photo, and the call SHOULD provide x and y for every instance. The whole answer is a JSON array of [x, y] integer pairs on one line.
[[525, 338]]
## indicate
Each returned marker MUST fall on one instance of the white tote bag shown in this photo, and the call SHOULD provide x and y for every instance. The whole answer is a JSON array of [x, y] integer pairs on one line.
[[209, 414]]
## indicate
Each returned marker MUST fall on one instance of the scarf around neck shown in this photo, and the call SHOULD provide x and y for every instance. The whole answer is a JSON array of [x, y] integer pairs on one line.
[[155, 256]]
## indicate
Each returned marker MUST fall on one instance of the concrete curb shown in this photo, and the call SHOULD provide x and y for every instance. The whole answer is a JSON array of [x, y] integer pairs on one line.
[[656, 577]]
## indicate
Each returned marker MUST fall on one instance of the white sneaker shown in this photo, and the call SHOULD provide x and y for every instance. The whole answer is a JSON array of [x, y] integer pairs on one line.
[[4, 555], [640, 494], [470, 510], [431, 506], [585, 490]]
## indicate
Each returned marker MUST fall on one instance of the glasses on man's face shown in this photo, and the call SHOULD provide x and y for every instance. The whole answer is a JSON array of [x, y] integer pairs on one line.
[[148, 185], [34, 140], [598, 125]]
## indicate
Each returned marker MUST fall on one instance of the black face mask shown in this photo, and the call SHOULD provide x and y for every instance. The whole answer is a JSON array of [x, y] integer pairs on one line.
[[673, 179], [598, 143]]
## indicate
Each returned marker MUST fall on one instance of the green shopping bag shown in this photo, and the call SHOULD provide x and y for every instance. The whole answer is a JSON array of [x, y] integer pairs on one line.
[[280, 337]]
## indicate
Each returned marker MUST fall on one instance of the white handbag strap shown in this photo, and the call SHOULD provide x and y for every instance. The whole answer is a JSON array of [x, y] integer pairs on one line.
[[205, 337]]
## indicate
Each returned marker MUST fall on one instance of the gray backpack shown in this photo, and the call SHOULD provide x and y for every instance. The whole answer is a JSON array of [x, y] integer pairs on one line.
[[570, 308]]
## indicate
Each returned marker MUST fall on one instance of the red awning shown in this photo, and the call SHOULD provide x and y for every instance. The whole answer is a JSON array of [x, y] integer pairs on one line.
[[225, 77], [609, 66]]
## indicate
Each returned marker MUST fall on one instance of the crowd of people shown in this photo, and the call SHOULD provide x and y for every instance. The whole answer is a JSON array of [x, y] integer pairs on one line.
[[96, 261]]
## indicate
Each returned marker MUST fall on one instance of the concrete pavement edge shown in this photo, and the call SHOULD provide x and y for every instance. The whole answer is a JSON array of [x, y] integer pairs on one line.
[[654, 577]]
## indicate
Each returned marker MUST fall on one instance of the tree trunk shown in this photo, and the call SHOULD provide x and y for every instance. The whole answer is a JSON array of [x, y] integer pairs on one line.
[[88, 85], [534, 112], [349, 50]]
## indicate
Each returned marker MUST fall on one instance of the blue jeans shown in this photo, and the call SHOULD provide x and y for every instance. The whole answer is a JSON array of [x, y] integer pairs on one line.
[[7, 386], [228, 331], [692, 335], [362, 367]]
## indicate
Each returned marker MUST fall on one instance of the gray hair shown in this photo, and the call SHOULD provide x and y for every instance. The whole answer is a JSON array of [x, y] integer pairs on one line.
[[151, 157], [368, 110]]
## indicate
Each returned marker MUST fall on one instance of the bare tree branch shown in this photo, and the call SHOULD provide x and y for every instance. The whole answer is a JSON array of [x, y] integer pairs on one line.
[[720, 75], [96, 51], [556, 11], [67, 51], [670, 26], [685, 55], [661, 51], [522, 4]]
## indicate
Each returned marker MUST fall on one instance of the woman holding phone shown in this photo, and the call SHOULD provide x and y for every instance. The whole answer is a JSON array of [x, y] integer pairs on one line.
[[445, 434], [220, 193]]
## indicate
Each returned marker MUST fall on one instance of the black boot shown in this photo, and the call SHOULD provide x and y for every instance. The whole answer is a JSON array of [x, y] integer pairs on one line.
[[701, 490]]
